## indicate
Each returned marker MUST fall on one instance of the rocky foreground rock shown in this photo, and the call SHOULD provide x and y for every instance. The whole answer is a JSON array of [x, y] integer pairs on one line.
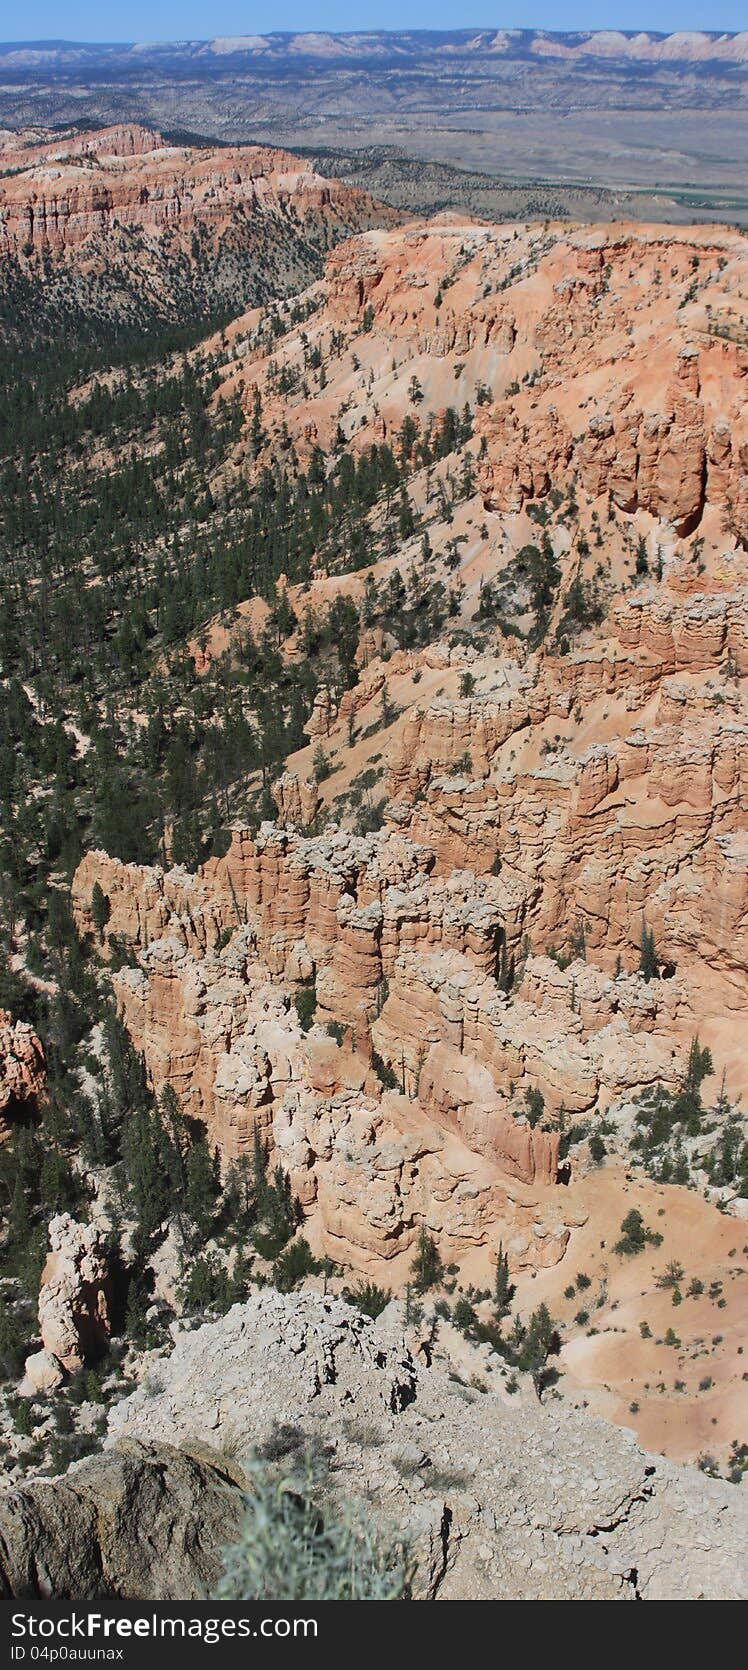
[[142, 1521], [500, 1495]]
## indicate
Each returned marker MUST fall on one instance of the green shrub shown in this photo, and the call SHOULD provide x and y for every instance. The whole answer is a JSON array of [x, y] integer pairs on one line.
[[464, 1316], [279, 1212], [321, 765], [293, 1264], [13, 1341], [503, 1287], [208, 1287], [634, 1235], [305, 1004], [292, 1548], [387, 1078], [367, 1297], [534, 1106], [671, 1275]]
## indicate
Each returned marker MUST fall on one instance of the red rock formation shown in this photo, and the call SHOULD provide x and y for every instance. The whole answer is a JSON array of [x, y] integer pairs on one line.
[[322, 715], [543, 802], [60, 195], [523, 459], [298, 802]]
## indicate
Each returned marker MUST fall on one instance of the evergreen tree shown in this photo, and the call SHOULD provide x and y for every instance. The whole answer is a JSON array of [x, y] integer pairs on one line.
[[260, 1171], [540, 1342], [648, 963], [18, 1217], [145, 1174], [202, 1186], [427, 1266], [100, 909], [503, 1289], [700, 1065]]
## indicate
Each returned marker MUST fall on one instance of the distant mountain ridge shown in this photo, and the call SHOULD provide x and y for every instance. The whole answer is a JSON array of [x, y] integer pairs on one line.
[[637, 46], [611, 109]]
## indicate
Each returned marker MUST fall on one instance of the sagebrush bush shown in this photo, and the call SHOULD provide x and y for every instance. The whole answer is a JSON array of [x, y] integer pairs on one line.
[[292, 1548]]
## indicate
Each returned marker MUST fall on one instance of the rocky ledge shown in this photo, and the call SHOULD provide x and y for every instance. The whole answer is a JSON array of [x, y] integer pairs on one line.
[[498, 1494]]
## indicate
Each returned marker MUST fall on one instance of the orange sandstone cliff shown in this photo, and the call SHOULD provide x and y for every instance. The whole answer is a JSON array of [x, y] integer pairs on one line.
[[547, 797]]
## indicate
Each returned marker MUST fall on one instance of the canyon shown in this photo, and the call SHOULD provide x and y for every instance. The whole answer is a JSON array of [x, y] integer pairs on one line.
[[61, 194], [448, 585], [542, 805]]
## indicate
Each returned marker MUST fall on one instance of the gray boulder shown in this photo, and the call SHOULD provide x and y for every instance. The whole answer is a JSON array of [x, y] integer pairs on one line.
[[140, 1521]]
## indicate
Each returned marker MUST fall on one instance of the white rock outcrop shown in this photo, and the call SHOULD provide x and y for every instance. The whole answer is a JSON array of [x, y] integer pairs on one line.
[[501, 1497]]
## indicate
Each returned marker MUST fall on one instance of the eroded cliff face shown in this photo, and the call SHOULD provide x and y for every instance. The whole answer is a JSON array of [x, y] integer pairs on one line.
[[411, 939], [215, 1021], [634, 808], [58, 196], [413, 935], [615, 359], [556, 779]]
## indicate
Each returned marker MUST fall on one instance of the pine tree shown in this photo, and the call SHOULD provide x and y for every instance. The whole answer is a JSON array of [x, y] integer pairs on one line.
[[282, 1213], [541, 1341], [56, 1186], [699, 1065], [100, 909], [648, 964], [257, 435], [260, 1184], [146, 1178], [201, 1186], [13, 1342], [136, 1323], [18, 1217], [239, 1188], [427, 1266], [241, 1276], [503, 1289]]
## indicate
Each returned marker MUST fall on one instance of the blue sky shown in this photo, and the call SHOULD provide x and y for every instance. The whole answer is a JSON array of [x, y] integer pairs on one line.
[[122, 20]]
